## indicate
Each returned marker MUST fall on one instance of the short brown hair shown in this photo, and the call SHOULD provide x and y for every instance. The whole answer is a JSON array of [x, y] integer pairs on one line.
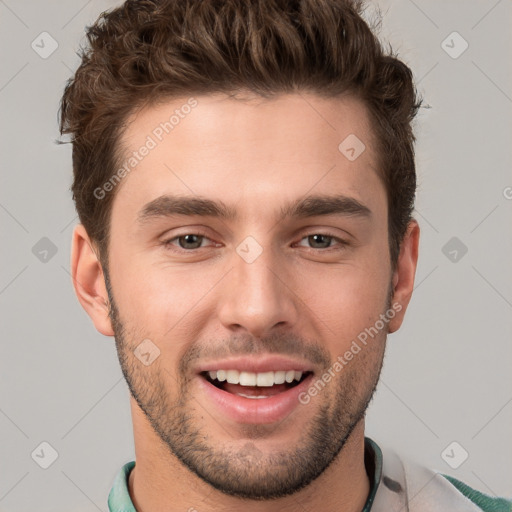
[[146, 50]]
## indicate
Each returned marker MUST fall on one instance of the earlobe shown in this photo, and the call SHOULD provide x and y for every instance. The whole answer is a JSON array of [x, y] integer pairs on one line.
[[403, 276], [89, 282]]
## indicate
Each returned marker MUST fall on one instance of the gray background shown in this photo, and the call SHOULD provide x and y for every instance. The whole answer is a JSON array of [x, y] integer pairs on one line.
[[447, 371]]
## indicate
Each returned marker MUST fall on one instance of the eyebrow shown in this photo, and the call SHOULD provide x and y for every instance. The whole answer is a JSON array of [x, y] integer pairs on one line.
[[310, 206]]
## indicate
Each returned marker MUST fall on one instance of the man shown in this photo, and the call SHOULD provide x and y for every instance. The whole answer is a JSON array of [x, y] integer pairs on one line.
[[244, 176]]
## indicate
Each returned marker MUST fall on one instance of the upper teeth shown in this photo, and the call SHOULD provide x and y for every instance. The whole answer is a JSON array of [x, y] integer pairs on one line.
[[255, 379]]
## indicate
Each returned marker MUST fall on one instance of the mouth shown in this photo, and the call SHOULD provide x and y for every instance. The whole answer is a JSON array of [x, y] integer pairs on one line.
[[255, 386], [250, 392]]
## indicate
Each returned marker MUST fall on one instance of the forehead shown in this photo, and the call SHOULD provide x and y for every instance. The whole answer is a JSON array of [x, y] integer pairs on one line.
[[283, 118], [251, 148]]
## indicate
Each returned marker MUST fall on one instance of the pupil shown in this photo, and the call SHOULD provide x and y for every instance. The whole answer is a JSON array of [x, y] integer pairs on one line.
[[190, 239], [317, 239]]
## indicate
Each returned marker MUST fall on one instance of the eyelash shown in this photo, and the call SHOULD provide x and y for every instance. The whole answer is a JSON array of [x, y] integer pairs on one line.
[[170, 246]]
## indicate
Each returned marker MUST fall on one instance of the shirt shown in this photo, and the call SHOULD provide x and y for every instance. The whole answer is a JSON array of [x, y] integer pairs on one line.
[[396, 484]]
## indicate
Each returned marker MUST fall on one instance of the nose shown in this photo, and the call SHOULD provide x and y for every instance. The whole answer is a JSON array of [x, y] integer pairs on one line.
[[258, 296]]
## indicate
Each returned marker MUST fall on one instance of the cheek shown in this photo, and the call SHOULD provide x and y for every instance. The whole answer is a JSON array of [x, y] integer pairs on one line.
[[345, 300], [160, 299]]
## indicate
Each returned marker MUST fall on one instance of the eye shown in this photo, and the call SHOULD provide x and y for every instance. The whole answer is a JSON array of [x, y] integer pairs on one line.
[[323, 241], [188, 241]]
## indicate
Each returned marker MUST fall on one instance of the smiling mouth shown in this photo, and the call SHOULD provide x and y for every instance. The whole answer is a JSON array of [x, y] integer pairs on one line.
[[255, 385]]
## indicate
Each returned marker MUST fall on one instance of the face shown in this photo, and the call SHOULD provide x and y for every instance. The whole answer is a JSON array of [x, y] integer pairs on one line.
[[247, 255]]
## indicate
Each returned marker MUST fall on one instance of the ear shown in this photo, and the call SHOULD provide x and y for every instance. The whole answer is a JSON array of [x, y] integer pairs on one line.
[[403, 276], [89, 281]]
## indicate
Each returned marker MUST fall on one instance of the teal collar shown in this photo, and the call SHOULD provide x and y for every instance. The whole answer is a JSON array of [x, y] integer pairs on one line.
[[119, 498]]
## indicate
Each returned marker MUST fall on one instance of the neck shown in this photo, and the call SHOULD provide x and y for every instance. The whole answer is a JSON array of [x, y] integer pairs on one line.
[[159, 482]]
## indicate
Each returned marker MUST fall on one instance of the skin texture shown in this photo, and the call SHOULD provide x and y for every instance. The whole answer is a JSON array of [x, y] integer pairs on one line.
[[302, 297]]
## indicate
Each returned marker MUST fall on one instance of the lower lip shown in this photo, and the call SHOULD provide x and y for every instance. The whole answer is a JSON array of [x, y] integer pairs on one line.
[[256, 411]]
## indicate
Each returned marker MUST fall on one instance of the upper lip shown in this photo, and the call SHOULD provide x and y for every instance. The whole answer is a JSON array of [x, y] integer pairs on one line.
[[255, 364]]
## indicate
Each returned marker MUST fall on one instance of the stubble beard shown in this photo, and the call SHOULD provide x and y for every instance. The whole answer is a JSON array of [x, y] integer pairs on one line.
[[246, 471]]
